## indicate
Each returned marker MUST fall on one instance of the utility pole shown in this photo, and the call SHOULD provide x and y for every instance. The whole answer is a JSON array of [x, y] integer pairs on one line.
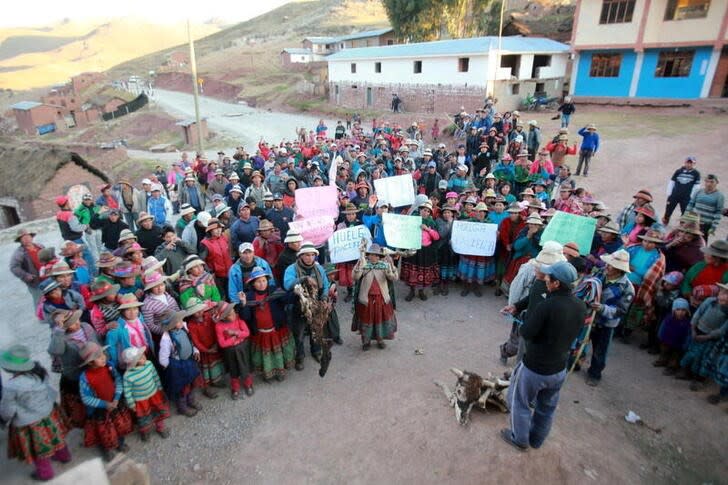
[[500, 45], [193, 65]]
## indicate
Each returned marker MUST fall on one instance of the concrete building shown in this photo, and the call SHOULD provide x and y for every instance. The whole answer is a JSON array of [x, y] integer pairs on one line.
[[368, 38], [650, 49], [320, 47], [35, 118], [295, 55], [441, 76]]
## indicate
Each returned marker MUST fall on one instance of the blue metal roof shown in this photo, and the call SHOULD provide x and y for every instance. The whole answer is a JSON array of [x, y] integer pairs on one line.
[[366, 33], [322, 40], [475, 45], [26, 105], [297, 51]]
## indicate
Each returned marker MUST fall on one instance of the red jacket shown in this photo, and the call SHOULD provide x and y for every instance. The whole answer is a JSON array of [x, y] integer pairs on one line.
[[508, 232], [218, 255], [225, 340]]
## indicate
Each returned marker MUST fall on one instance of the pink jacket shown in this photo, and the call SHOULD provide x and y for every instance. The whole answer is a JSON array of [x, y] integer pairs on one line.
[[548, 165], [429, 235], [224, 340]]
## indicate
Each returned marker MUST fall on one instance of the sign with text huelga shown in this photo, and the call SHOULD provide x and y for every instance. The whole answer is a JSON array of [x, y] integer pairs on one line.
[[473, 238], [344, 243], [317, 201], [397, 191], [402, 232], [316, 229], [565, 228]]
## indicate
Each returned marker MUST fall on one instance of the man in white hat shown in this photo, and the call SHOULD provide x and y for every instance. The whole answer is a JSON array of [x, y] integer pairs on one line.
[[292, 242], [305, 266], [617, 296]]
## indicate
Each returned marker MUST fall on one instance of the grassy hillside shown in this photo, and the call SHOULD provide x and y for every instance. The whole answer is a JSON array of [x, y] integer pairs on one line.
[[96, 47]]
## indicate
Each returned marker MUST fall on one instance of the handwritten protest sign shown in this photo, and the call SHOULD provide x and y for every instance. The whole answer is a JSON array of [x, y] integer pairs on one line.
[[474, 238], [344, 243], [396, 191], [403, 232], [315, 229], [564, 228], [317, 201]]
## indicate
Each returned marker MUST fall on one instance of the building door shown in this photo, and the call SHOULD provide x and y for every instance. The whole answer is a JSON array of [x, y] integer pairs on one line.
[[719, 88], [337, 96], [369, 96], [8, 216]]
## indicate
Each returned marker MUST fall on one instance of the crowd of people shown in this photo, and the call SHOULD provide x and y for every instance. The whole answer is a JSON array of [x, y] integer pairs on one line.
[[184, 285]]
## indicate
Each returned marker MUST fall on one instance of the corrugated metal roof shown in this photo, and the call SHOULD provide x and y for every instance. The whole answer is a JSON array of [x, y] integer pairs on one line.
[[26, 105], [323, 40], [475, 45], [366, 33], [189, 122], [297, 51]]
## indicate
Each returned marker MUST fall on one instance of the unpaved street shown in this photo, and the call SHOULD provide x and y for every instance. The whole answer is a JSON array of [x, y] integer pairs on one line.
[[377, 417]]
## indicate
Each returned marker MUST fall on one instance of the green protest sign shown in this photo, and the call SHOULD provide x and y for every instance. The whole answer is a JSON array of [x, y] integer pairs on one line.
[[564, 228], [402, 232]]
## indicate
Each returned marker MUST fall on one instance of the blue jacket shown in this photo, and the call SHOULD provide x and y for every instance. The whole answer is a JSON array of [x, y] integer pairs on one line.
[[235, 279], [117, 339], [590, 140], [243, 231], [373, 222], [290, 279], [88, 396], [158, 208], [280, 219]]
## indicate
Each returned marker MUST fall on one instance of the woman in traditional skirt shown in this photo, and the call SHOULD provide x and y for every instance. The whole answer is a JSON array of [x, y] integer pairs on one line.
[[178, 357], [421, 270], [708, 326], [107, 419], [374, 316], [446, 257], [37, 429], [143, 393], [525, 247], [232, 338], [475, 271], [68, 337], [202, 330], [718, 369], [272, 350], [344, 274], [508, 231]]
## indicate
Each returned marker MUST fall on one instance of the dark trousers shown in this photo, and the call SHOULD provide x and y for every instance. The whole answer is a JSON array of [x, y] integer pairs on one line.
[[299, 335], [600, 338], [705, 229], [672, 204], [584, 159]]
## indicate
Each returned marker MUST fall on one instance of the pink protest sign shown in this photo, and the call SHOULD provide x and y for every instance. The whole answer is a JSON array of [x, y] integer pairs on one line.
[[318, 230], [317, 201]]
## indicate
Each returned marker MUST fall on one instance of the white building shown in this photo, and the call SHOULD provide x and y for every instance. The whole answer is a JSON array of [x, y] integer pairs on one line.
[[443, 75], [295, 55]]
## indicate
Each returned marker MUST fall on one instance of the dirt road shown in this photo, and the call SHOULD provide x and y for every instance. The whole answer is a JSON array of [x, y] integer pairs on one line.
[[377, 417], [236, 120]]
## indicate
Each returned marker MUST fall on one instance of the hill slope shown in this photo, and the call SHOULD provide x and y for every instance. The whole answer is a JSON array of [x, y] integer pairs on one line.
[[41, 57]]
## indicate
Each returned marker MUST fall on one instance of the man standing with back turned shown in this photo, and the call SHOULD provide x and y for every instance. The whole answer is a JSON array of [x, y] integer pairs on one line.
[[549, 331]]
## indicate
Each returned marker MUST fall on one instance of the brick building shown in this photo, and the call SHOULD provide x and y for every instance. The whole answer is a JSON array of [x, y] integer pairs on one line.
[[41, 173], [441, 76], [189, 129], [86, 80], [35, 118]]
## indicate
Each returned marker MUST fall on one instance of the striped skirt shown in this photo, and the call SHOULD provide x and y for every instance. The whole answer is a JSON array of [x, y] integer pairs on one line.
[[476, 269]]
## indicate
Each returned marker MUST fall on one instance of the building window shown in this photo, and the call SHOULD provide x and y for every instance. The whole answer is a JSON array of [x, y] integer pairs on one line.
[[353, 67], [540, 88], [686, 9], [417, 67], [616, 11], [674, 64], [377, 67], [515, 88], [463, 64], [390, 41], [605, 65]]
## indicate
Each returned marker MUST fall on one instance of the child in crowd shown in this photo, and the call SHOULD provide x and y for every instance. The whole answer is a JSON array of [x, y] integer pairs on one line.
[[108, 420], [202, 331], [157, 302], [128, 277], [232, 337], [197, 283], [668, 291], [143, 393], [128, 331], [673, 335], [104, 308], [37, 428], [178, 357]]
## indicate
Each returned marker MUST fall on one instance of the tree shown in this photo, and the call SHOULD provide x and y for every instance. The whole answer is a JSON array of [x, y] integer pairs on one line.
[[423, 20]]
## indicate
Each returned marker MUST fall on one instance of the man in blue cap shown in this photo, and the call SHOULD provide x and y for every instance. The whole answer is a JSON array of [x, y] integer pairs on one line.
[[549, 330]]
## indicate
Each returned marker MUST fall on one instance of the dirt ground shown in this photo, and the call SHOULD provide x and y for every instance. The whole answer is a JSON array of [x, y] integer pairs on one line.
[[377, 417]]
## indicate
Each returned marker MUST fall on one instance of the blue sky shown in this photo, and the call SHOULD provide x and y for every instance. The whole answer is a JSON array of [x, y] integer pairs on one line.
[[44, 12]]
